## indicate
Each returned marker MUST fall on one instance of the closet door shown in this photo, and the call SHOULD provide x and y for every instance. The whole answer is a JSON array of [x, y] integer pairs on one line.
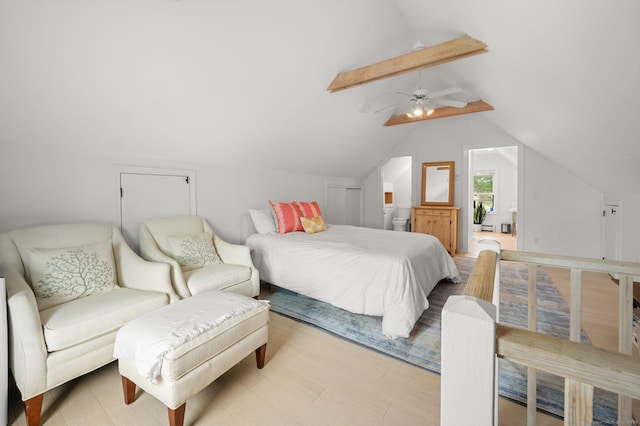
[[344, 205], [152, 195], [611, 230]]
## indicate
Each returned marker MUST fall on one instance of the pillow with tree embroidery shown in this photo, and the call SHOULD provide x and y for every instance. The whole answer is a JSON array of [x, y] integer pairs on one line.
[[60, 275], [194, 251]]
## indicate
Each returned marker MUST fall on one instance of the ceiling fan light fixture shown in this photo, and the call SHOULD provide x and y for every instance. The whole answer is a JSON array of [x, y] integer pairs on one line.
[[420, 111]]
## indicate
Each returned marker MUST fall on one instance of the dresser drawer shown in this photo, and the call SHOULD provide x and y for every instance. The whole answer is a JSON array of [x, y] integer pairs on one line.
[[430, 212]]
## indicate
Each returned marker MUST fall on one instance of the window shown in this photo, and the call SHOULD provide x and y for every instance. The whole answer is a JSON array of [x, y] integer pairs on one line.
[[484, 189]]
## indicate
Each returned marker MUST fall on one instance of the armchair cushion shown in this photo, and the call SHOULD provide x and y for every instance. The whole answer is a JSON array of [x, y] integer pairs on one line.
[[86, 318], [217, 277], [59, 275], [194, 251], [236, 270]]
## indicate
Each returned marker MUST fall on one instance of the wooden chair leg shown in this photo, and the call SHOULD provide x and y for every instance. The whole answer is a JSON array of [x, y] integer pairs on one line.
[[260, 355], [176, 417], [33, 409], [129, 390]]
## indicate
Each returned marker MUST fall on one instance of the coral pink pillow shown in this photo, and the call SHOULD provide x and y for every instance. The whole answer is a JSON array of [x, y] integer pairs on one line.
[[287, 217], [311, 209]]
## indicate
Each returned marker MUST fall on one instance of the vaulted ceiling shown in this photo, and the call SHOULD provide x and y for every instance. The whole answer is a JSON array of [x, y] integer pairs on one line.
[[563, 77], [244, 82]]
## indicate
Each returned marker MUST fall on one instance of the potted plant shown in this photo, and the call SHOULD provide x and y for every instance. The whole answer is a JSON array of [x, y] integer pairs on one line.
[[479, 213]]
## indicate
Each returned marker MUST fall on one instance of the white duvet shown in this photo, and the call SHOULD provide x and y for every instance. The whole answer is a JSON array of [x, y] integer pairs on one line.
[[362, 270]]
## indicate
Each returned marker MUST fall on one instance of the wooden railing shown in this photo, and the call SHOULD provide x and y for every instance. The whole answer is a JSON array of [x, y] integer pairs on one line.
[[467, 328]]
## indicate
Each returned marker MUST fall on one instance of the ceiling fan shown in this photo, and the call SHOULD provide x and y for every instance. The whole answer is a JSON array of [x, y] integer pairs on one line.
[[421, 102]]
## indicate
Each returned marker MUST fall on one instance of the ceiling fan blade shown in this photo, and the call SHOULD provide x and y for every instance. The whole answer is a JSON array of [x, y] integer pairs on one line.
[[388, 108], [445, 92], [449, 102]]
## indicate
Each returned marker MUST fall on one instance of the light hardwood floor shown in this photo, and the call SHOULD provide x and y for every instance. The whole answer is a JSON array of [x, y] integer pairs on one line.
[[310, 378], [507, 241]]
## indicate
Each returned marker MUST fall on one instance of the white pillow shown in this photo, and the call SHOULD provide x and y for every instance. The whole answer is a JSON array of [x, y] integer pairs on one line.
[[194, 251], [60, 275], [263, 220]]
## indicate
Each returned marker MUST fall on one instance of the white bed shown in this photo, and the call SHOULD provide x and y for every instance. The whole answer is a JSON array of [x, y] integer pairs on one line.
[[363, 270]]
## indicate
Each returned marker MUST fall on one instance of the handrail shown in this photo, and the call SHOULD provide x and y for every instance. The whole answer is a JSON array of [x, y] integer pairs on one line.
[[625, 270], [569, 262], [582, 366], [599, 367], [481, 279]]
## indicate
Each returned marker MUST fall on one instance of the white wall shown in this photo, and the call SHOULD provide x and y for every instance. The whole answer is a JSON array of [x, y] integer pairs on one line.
[[563, 213], [564, 220], [373, 200], [40, 185]]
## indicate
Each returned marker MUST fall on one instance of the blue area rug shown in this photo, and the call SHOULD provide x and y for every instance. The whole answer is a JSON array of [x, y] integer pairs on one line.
[[422, 347]]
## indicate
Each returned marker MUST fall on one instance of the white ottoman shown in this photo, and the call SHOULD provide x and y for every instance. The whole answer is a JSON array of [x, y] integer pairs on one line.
[[176, 351]]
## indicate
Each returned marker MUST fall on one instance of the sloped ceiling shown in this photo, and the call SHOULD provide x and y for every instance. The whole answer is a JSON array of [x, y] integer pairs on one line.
[[244, 82], [564, 77], [231, 82]]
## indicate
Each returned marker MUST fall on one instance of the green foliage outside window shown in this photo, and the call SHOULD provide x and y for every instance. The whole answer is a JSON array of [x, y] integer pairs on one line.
[[483, 190]]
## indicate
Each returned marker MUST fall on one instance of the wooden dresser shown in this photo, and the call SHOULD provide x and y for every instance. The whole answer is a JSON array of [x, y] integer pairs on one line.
[[441, 222]]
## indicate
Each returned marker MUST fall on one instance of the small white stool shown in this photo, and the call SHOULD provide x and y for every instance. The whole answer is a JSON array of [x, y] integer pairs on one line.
[[176, 351]]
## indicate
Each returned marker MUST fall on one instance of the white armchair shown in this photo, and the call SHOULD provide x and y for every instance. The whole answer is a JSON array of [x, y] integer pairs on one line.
[[164, 240], [69, 290]]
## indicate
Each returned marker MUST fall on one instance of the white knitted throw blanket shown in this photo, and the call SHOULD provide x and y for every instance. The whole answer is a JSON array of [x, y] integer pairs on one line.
[[146, 340]]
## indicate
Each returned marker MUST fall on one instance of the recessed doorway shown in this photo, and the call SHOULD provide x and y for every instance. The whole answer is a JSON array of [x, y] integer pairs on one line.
[[493, 188], [396, 191]]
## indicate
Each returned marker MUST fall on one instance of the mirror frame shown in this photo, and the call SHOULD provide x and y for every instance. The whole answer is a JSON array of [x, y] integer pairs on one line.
[[449, 202]]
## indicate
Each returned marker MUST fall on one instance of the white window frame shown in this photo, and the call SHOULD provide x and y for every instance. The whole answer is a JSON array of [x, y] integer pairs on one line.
[[496, 187]]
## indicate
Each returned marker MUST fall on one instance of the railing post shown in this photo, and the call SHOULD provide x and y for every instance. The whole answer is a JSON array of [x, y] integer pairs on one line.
[[468, 375], [625, 337], [493, 245]]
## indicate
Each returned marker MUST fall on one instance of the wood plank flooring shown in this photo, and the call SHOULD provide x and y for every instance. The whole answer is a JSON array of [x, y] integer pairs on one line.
[[310, 378]]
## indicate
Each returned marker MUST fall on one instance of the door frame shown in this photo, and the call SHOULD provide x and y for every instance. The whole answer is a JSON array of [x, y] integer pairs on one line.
[[380, 182], [118, 169], [465, 225], [618, 248]]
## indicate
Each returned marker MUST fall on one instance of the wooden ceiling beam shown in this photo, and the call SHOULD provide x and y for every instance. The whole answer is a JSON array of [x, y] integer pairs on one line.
[[477, 106], [452, 50]]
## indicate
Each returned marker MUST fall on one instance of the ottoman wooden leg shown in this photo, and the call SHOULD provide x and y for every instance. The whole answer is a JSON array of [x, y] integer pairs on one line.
[[260, 355], [129, 390], [176, 417]]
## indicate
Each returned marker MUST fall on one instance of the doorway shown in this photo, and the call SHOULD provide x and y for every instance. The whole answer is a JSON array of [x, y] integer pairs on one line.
[[493, 181], [396, 176]]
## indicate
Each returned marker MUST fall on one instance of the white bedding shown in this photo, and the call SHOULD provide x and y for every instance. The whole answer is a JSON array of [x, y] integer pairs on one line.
[[363, 270]]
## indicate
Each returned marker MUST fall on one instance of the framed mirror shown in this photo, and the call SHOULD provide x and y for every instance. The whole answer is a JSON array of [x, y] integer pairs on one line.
[[437, 183]]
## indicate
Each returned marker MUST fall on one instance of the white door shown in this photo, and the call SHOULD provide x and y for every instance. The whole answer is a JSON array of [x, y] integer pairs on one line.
[[354, 206], [148, 196], [611, 231], [344, 205]]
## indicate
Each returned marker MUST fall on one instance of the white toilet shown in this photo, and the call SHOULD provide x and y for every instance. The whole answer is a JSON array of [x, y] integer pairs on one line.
[[399, 223], [388, 216]]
